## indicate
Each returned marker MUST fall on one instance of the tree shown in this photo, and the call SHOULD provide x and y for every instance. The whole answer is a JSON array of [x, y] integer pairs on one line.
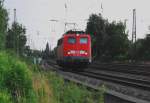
[[3, 24], [27, 51], [46, 53], [16, 39], [109, 40], [47, 49], [142, 48], [137, 53], [96, 28], [117, 43]]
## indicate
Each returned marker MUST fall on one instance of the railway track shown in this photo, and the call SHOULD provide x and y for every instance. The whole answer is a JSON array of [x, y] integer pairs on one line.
[[124, 68], [135, 77], [123, 79]]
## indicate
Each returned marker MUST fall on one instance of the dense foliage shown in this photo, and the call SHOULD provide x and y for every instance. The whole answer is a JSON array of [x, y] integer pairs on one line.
[[5, 97], [16, 39], [3, 24], [109, 40], [15, 79], [142, 49]]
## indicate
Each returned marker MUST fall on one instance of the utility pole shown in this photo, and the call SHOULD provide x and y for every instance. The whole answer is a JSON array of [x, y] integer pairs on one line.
[[15, 16], [134, 35], [134, 26], [102, 8], [17, 36]]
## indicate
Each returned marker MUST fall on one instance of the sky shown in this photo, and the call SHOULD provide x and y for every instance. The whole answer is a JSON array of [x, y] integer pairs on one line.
[[36, 16]]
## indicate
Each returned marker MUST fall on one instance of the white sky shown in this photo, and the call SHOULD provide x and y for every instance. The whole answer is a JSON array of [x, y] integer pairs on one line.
[[35, 15]]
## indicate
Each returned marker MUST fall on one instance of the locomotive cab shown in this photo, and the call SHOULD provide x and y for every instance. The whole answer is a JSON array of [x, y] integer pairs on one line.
[[74, 48]]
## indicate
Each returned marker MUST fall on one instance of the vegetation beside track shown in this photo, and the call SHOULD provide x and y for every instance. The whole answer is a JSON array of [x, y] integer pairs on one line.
[[22, 83], [56, 90]]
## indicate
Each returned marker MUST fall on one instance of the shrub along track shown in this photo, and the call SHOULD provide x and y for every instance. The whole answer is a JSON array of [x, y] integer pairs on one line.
[[135, 76]]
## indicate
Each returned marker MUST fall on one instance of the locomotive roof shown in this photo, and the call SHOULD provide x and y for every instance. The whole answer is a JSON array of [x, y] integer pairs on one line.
[[74, 32]]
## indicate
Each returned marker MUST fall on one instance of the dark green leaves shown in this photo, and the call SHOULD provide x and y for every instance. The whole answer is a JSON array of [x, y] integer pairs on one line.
[[109, 40]]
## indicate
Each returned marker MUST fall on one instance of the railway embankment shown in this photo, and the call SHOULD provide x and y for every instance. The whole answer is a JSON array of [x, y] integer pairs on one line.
[[27, 83], [123, 83]]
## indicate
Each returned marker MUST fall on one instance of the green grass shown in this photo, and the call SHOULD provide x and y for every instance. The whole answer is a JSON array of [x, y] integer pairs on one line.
[[27, 83], [52, 88], [16, 79], [69, 92], [5, 97]]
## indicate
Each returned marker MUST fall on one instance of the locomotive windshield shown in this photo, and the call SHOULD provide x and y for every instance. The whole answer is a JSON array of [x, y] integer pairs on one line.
[[71, 40], [83, 40]]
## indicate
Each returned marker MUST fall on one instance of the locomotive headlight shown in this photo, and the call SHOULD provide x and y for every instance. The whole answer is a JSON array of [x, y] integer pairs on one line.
[[86, 53], [69, 53]]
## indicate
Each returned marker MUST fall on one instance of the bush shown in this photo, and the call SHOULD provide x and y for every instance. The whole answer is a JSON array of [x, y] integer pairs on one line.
[[74, 94], [39, 87], [16, 78], [4, 66], [5, 97]]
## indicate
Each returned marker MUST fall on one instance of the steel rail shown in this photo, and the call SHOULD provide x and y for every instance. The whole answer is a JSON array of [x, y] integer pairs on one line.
[[124, 80], [141, 84]]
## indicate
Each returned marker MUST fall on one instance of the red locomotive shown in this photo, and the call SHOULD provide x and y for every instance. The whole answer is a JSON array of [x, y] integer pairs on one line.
[[74, 48]]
